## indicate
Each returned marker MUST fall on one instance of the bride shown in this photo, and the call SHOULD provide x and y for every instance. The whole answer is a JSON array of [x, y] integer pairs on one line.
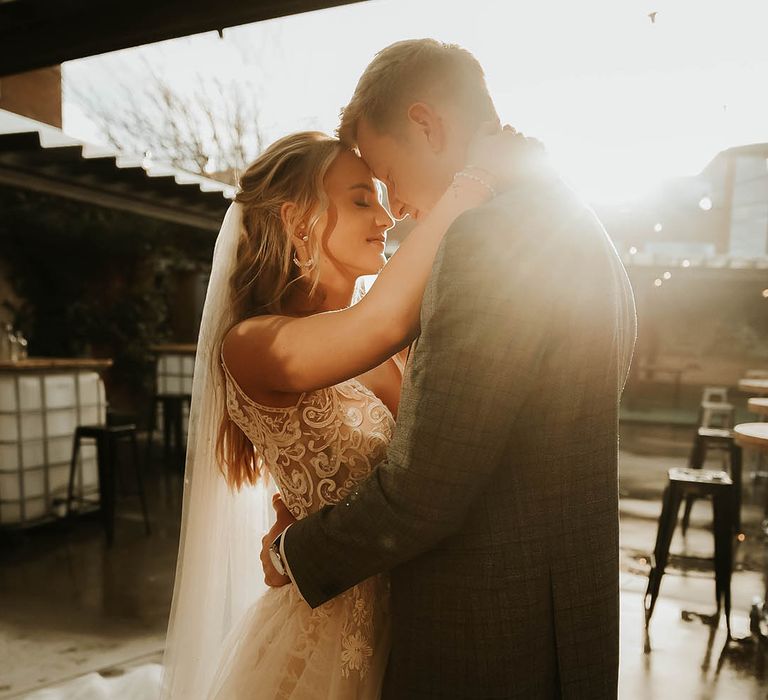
[[296, 388]]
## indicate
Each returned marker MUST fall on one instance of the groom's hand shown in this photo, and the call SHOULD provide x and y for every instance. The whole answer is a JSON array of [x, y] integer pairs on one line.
[[284, 518]]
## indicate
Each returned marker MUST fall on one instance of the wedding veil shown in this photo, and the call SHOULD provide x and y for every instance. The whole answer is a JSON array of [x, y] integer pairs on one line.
[[218, 573]]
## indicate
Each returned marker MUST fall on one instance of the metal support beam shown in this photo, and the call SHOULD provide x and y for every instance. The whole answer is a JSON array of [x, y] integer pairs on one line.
[[122, 202]]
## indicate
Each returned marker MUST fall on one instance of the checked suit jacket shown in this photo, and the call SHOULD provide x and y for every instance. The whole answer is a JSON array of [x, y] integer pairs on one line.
[[496, 510]]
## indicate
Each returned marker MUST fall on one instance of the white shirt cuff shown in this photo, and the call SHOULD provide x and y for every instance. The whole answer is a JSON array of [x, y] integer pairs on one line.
[[284, 559]]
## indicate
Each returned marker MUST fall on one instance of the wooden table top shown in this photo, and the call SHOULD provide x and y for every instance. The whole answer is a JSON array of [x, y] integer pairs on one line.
[[38, 364], [174, 348], [752, 435], [755, 386], [758, 406]]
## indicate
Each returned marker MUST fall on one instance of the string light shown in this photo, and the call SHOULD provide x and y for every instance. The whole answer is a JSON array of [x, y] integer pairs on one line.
[[705, 203], [686, 263], [657, 282], [658, 228], [667, 275]]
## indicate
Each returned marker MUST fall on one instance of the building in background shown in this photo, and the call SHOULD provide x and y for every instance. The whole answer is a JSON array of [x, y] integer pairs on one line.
[[696, 250], [720, 214]]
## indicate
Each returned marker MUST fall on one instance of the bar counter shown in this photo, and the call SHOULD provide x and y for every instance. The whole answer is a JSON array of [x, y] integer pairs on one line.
[[37, 364]]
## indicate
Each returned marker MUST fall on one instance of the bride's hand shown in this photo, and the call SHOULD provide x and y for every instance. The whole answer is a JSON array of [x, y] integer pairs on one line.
[[498, 155], [284, 518]]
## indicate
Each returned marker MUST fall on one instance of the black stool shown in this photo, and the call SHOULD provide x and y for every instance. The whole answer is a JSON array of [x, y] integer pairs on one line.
[[107, 437], [719, 439], [699, 483], [173, 434]]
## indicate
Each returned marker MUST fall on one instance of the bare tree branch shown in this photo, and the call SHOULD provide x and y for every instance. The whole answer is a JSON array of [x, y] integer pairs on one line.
[[212, 129]]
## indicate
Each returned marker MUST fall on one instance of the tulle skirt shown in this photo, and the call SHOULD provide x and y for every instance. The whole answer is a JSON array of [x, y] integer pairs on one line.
[[283, 649]]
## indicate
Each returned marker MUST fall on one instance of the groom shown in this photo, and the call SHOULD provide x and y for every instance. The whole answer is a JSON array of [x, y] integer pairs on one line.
[[496, 510]]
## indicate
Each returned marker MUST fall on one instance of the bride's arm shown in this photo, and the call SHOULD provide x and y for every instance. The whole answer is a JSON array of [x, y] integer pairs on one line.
[[283, 354]]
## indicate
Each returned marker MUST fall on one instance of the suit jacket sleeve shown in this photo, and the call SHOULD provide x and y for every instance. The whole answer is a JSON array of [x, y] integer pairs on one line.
[[483, 335]]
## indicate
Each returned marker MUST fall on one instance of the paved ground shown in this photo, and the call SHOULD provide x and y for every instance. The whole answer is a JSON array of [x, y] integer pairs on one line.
[[68, 606]]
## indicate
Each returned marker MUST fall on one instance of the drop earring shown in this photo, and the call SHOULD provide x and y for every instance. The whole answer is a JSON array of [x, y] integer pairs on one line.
[[304, 266], [307, 265]]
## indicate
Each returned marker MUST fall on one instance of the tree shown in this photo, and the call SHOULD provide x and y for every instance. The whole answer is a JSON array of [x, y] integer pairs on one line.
[[204, 123]]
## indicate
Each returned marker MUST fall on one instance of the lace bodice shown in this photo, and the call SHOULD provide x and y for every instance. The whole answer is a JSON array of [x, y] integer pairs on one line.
[[317, 451], [320, 448]]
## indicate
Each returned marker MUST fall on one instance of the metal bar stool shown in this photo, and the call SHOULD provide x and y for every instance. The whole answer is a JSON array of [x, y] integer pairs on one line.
[[715, 431], [719, 486], [107, 438], [714, 394], [173, 432]]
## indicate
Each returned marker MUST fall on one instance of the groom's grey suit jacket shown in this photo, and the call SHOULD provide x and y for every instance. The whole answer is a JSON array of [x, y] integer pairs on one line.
[[496, 510]]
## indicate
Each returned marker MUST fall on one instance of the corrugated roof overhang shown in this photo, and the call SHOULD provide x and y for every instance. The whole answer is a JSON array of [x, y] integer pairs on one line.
[[70, 169]]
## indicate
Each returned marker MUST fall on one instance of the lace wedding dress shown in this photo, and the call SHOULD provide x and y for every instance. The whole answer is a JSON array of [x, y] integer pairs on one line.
[[316, 451]]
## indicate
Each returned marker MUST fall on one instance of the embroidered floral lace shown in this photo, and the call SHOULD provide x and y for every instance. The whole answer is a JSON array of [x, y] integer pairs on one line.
[[317, 451]]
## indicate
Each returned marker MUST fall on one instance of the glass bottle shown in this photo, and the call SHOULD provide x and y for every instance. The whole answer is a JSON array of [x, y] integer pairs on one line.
[[13, 345], [22, 346]]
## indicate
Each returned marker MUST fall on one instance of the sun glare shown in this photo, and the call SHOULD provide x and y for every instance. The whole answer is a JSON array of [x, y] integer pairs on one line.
[[621, 102]]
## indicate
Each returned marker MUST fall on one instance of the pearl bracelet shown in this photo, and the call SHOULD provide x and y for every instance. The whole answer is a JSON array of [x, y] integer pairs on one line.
[[470, 176]]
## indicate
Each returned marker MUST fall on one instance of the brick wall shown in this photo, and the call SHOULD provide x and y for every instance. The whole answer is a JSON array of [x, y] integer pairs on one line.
[[36, 94]]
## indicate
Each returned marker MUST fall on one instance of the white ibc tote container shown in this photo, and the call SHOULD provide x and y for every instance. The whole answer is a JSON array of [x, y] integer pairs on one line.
[[39, 411]]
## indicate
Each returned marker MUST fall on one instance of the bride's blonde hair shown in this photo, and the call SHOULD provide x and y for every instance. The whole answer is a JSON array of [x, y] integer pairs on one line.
[[290, 170]]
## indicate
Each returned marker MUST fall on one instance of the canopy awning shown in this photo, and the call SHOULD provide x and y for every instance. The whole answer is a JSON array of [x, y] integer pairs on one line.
[[39, 33], [38, 157]]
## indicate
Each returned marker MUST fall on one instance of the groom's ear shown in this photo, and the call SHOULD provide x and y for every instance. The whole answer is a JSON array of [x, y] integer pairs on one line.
[[429, 124]]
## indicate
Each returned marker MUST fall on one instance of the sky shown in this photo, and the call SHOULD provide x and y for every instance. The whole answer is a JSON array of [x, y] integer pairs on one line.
[[620, 101]]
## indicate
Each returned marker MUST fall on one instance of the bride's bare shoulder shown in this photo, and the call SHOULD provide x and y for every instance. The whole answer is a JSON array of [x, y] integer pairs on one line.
[[248, 349], [248, 335]]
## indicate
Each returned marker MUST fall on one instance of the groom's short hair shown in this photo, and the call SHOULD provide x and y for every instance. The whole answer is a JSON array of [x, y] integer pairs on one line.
[[411, 71]]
